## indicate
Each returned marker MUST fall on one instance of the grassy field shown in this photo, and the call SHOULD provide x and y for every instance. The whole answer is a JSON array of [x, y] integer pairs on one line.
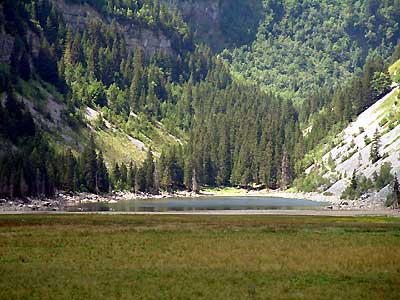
[[198, 257]]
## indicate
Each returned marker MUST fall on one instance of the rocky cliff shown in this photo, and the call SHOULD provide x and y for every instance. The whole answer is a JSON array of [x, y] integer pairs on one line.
[[221, 23], [80, 15], [351, 148]]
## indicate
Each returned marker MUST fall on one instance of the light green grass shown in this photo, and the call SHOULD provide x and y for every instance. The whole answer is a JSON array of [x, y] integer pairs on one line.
[[394, 68], [198, 257], [116, 147], [223, 191]]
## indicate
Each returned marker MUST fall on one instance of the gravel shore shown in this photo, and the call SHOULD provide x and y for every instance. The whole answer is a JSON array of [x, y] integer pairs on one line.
[[63, 201]]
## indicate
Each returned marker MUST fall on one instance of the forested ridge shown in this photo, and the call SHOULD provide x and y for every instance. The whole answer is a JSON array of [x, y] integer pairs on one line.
[[234, 131], [302, 46]]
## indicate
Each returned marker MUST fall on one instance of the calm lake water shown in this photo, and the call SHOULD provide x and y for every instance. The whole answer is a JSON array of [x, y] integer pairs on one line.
[[205, 203]]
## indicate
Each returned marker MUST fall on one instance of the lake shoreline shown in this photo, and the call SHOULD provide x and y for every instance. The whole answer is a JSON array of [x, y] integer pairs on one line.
[[260, 212], [62, 202], [372, 202]]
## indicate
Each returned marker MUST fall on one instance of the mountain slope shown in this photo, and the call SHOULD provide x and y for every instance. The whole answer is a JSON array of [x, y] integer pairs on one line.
[[94, 91], [302, 46], [351, 151]]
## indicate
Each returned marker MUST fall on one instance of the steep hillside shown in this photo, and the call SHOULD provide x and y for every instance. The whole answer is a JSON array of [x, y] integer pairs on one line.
[[302, 46], [349, 155]]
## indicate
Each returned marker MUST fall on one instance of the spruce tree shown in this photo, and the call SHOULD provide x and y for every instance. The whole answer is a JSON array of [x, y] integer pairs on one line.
[[90, 166], [131, 176], [70, 172], [286, 171], [135, 90], [116, 176], [140, 180], [124, 176], [396, 192], [149, 169], [102, 178], [374, 154], [195, 186], [353, 181]]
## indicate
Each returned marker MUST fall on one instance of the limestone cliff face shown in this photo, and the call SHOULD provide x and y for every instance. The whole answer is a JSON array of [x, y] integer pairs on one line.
[[79, 16], [218, 23], [6, 47], [204, 17], [6, 43], [221, 23]]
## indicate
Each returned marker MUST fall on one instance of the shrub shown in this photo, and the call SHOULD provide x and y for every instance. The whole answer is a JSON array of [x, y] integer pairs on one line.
[[367, 140], [383, 122], [311, 182], [358, 186], [384, 178]]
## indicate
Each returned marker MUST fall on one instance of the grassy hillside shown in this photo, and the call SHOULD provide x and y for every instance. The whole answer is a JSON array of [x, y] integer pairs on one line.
[[117, 144]]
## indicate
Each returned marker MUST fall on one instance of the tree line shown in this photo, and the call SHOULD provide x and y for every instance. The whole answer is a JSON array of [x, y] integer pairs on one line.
[[237, 133]]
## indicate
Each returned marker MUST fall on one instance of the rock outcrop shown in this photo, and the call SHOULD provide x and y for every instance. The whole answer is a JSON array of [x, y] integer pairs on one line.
[[351, 152], [6, 47], [77, 16]]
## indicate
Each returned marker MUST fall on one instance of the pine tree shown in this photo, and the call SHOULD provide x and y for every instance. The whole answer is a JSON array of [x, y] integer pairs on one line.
[[136, 86], [140, 180], [116, 176], [69, 172], [131, 176], [396, 192], [90, 166], [353, 181], [286, 171], [374, 155], [124, 176], [102, 179], [195, 186], [23, 186], [149, 169]]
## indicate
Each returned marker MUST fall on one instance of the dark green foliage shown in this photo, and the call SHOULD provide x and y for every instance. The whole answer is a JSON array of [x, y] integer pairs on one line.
[[90, 166], [131, 176], [302, 46], [358, 186], [171, 173], [32, 170], [149, 174], [396, 192], [239, 21], [16, 123], [102, 179], [380, 84], [374, 154], [384, 177], [70, 176]]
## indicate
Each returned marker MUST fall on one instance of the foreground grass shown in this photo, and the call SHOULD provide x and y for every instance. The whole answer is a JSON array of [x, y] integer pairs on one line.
[[198, 257]]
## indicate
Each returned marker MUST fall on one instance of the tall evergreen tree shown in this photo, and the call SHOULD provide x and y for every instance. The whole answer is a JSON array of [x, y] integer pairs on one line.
[[102, 179], [374, 154], [396, 192], [90, 166], [286, 171]]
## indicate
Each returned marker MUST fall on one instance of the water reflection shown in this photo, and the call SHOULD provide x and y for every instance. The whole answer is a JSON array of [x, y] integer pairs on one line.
[[202, 203]]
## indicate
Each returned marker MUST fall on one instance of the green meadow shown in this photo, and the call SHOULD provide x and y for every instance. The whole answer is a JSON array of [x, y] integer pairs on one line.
[[198, 257]]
